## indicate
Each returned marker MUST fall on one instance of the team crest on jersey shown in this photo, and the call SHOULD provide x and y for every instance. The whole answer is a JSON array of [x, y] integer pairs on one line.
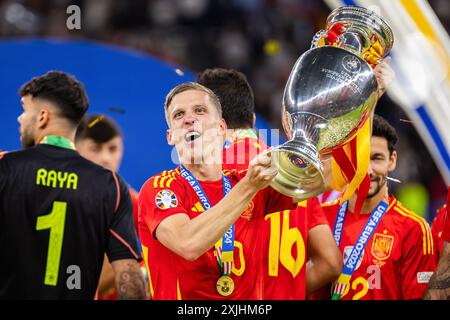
[[382, 246], [166, 199], [347, 251], [248, 213]]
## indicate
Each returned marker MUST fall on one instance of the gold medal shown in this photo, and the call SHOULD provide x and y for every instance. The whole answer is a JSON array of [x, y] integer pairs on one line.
[[225, 286]]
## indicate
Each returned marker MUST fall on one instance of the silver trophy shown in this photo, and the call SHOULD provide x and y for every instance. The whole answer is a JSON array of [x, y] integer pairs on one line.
[[330, 93]]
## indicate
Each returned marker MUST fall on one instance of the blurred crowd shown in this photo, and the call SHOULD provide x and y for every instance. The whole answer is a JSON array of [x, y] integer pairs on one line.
[[261, 38]]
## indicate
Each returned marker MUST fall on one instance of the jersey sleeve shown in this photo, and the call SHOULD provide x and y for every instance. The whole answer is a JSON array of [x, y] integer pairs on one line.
[[437, 229], [122, 242], [446, 231], [316, 215], [419, 260], [159, 199]]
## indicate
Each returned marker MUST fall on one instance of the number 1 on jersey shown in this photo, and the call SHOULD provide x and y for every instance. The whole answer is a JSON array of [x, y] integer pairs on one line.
[[55, 222]]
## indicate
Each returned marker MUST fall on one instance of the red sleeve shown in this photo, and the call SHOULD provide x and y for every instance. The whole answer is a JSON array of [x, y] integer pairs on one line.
[[316, 215], [419, 260], [157, 202], [446, 232], [437, 229]]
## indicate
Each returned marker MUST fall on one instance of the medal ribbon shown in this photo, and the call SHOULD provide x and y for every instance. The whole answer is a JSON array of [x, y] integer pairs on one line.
[[225, 246], [58, 141], [353, 259]]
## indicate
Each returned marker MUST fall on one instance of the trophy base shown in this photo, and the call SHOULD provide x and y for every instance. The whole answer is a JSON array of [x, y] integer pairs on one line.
[[300, 172]]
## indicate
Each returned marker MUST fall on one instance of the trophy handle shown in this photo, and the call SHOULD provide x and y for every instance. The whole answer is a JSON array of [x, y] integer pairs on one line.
[[319, 35]]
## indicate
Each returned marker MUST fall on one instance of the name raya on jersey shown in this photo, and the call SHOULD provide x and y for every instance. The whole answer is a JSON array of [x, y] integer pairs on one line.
[[171, 276], [285, 240], [398, 260], [47, 190]]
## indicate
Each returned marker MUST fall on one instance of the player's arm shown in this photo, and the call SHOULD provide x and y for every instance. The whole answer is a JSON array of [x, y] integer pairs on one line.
[[439, 286], [192, 238], [123, 250], [129, 280], [384, 75], [106, 284], [325, 263]]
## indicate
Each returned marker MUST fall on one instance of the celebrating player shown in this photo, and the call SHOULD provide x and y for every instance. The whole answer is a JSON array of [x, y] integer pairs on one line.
[[199, 226], [388, 250]]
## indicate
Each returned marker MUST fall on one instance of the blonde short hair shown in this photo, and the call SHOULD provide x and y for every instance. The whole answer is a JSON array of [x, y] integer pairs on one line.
[[190, 86]]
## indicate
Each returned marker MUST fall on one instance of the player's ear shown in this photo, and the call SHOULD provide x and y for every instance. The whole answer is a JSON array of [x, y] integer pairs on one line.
[[169, 137], [43, 118], [392, 161], [223, 127]]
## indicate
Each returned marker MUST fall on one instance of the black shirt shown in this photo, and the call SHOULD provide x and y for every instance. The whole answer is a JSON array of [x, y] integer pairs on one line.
[[59, 214]]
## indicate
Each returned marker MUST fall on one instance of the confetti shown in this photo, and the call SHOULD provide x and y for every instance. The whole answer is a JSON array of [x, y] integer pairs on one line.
[[407, 121], [179, 72], [93, 123]]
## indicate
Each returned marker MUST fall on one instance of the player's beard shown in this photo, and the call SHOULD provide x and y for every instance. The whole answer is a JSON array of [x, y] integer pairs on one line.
[[27, 137], [380, 181]]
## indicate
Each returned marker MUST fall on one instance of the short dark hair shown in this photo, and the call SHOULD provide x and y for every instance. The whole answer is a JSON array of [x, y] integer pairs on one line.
[[235, 95], [97, 127], [61, 89], [382, 128]]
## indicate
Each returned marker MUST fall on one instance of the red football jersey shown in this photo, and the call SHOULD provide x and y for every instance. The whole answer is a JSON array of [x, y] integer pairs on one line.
[[171, 276], [437, 230], [285, 242], [241, 151], [446, 232], [398, 260]]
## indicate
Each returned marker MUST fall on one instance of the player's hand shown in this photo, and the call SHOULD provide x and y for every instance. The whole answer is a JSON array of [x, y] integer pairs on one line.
[[384, 74], [261, 171]]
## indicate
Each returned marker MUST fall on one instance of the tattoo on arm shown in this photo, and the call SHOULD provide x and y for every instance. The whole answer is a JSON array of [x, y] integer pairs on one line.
[[130, 282], [439, 286]]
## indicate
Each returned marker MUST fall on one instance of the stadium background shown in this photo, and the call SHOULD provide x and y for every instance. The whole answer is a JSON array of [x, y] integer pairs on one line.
[[131, 53]]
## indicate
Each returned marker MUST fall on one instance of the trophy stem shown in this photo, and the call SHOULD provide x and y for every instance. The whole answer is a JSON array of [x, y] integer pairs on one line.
[[300, 172]]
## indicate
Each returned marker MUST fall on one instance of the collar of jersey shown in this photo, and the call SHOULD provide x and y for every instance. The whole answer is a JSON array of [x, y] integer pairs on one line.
[[58, 141]]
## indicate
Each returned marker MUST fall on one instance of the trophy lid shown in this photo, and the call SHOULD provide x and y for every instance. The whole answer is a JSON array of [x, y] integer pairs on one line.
[[366, 19]]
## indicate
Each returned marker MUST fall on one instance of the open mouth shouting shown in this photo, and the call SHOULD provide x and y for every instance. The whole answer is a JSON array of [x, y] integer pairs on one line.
[[191, 136]]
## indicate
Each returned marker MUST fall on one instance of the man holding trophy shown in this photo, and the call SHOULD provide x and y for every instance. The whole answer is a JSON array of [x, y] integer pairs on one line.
[[328, 107], [328, 104]]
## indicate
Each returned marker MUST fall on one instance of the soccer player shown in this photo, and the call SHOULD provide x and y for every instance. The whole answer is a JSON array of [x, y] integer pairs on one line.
[[99, 139], [388, 250], [439, 286], [238, 110], [284, 274], [59, 212], [199, 221]]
